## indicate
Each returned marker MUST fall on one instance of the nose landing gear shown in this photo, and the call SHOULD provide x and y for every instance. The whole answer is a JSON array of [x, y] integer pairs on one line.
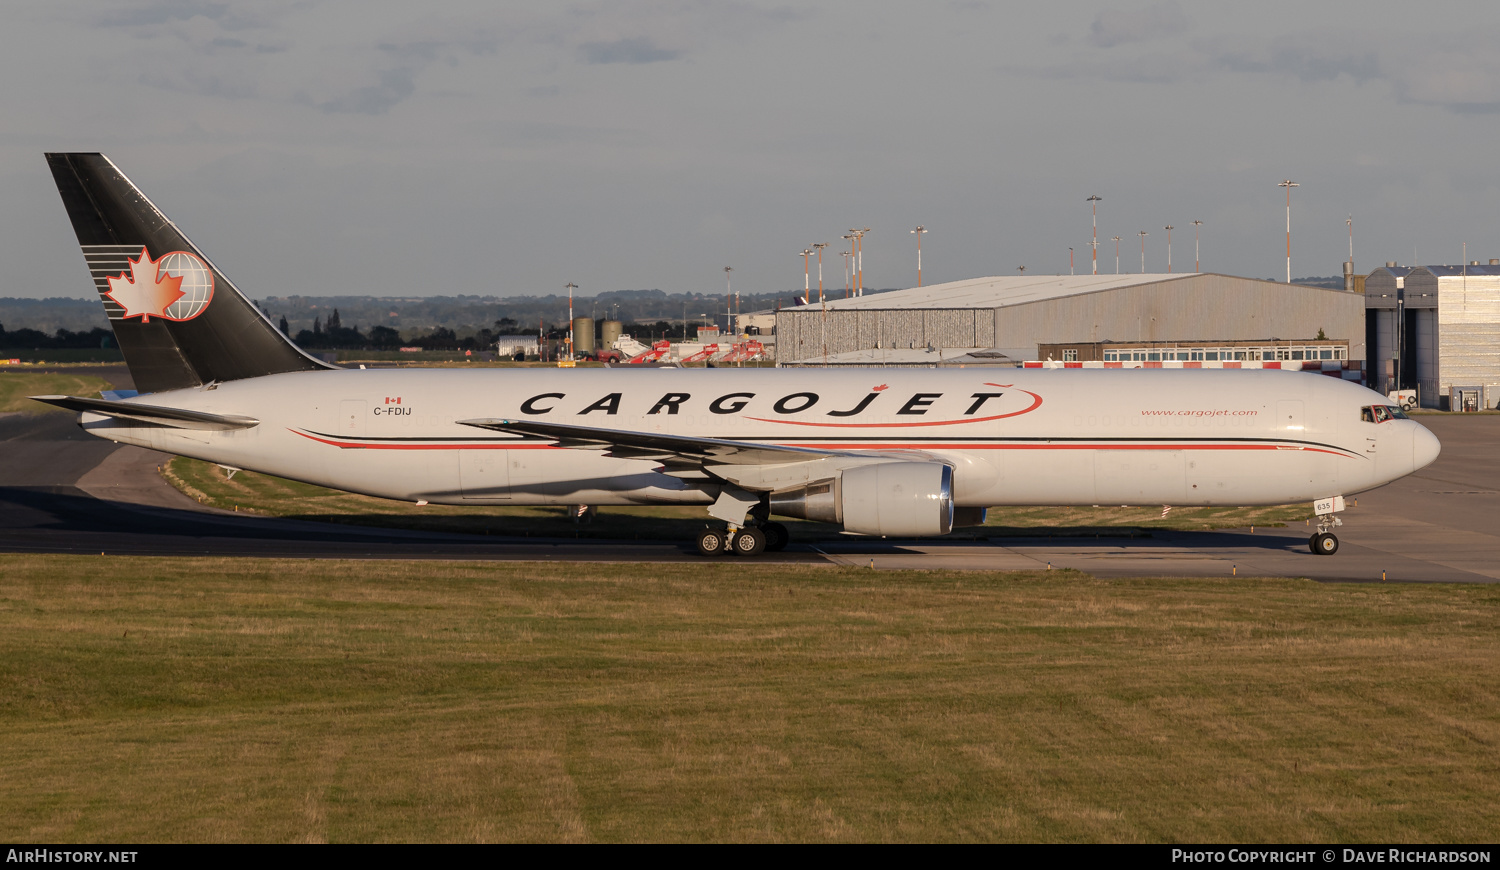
[[1324, 542]]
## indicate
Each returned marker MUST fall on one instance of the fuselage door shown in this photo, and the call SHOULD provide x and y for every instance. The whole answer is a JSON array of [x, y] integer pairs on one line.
[[484, 474]]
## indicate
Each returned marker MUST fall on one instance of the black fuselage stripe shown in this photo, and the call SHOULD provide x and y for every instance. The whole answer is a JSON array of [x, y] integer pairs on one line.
[[1164, 442]]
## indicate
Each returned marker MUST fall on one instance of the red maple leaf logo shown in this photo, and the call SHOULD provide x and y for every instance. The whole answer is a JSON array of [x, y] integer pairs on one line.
[[881, 387], [144, 294]]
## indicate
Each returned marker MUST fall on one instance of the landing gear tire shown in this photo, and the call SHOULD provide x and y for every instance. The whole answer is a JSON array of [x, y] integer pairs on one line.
[[748, 542], [1324, 544], [777, 537], [711, 542]]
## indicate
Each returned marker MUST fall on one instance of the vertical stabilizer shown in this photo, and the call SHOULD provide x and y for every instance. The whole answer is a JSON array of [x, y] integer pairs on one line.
[[179, 321]]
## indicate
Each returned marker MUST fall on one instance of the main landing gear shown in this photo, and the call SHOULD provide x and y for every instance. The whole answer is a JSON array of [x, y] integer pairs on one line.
[[747, 541]]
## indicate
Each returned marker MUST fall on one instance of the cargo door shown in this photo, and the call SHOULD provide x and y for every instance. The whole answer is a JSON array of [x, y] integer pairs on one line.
[[1136, 477], [352, 418], [484, 473]]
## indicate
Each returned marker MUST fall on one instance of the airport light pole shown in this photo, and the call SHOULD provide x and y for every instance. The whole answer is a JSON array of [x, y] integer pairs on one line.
[[806, 279], [1169, 249], [1021, 269], [728, 292], [1117, 254], [1288, 184], [1143, 235], [820, 246], [918, 233], [859, 260], [848, 275], [1196, 265], [571, 287], [1350, 222], [1094, 201], [1070, 261]]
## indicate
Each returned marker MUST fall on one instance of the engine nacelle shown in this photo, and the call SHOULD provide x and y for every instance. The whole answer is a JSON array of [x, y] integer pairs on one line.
[[888, 498]]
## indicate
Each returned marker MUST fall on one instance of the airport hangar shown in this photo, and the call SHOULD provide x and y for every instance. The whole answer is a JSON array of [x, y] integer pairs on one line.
[[1436, 330], [1137, 319]]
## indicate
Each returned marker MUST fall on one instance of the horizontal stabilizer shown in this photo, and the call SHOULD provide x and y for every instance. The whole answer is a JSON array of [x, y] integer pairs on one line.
[[672, 449], [175, 418]]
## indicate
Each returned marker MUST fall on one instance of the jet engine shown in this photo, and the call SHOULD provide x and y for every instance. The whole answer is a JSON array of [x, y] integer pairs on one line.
[[887, 498]]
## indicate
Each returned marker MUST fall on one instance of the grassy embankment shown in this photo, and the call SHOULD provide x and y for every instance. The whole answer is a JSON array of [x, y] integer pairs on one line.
[[274, 496], [197, 699], [15, 386]]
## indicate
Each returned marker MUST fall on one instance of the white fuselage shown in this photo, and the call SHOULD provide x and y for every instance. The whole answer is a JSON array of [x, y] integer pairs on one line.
[[1013, 437]]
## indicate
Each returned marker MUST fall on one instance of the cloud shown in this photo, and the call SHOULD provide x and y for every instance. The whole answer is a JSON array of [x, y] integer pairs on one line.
[[1435, 70], [391, 87], [1308, 59], [636, 49], [1114, 27], [396, 82], [156, 13]]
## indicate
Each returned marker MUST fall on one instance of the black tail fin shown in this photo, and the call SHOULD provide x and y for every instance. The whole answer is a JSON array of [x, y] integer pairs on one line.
[[179, 321]]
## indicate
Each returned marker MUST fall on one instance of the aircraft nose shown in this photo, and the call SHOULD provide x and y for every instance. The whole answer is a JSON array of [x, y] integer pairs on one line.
[[1425, 448]]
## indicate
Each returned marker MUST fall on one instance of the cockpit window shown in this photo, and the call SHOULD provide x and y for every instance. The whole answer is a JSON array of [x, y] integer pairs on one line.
[[1381, 413]]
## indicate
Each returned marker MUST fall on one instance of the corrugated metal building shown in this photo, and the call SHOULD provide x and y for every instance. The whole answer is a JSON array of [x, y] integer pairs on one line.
[[1431, 328], [1014, 315]]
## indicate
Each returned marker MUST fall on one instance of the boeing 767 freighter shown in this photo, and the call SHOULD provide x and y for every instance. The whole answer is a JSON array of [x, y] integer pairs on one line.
[[879, 451]]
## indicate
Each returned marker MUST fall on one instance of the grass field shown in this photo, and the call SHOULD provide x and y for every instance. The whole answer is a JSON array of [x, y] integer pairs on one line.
[[15, 386], [214, 700], [274, 496]]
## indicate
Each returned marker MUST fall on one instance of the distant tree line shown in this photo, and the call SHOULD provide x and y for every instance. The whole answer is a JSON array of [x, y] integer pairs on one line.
[[63, 338], [333, 335]]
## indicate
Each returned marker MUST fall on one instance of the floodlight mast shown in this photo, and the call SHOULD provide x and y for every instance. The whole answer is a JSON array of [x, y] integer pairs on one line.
[[859, 260], [1117, 254], [1169, 248], [1094, 201], [806, 278], [571, 287], [1143, 235], [1197, 266], [728, 294], [848, 273], [1070, 261], [820, 246], [1288, 184], [918, 233]]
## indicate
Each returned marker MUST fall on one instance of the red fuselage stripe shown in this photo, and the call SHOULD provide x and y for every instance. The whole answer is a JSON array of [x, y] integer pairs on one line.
[[1066, 447], [355, 445]]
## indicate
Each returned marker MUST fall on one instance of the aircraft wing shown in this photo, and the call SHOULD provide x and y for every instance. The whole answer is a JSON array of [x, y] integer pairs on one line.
[[672, 450], [175, 418]]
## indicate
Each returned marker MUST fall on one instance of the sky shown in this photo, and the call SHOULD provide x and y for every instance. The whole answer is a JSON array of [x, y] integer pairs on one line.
[[443, 148]]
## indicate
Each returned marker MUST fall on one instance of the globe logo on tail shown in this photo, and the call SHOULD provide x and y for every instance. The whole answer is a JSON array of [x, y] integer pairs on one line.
[[178, 286]]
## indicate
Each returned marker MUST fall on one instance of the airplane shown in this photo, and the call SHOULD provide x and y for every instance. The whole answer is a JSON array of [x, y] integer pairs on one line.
[[894, 452]]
